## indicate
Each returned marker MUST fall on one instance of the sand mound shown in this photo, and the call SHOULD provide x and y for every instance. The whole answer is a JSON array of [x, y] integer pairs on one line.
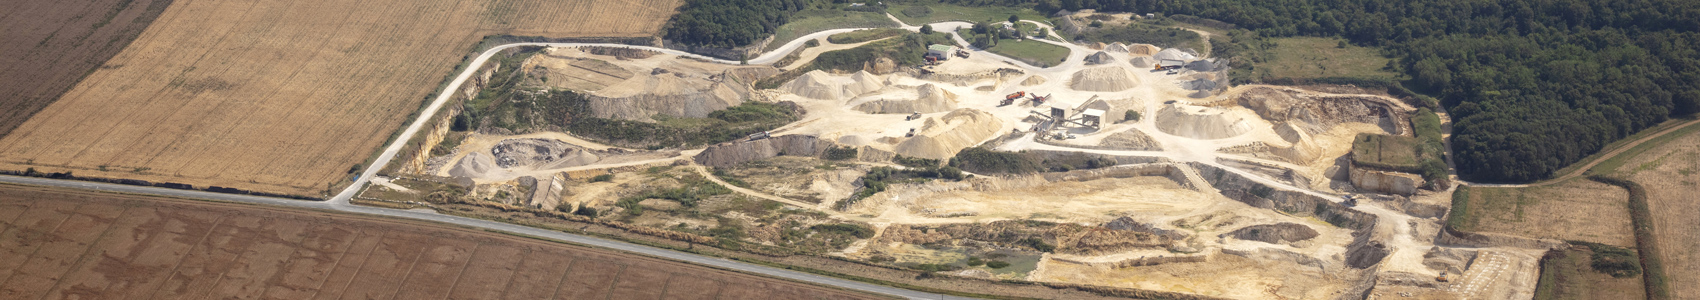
[[1142, 62], [1103, 79], [816, 85], [1173, 54], [1099, 58], [1142, 49], [929, 98], [1200, 122], [853, 140], [863, 82], [943, 136], [1033, 80], [1133, 140], [1116, 47]]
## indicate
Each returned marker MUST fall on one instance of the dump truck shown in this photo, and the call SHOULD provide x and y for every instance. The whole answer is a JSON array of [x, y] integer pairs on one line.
[[961, 53], [912, 117], [758, 135], [1016, 95]]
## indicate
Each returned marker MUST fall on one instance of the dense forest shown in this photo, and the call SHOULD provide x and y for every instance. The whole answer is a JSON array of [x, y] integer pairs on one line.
[[730, 23], [1533, 85]]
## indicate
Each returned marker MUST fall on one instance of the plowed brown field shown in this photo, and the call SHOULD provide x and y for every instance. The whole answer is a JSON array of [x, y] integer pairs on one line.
[[48, 45], [58, 244], [282, 96]]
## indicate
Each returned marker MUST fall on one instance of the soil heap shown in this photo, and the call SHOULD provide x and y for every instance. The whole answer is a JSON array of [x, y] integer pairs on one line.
[[943, 136], [1281, 233], [678, 94], [1103, 79], [1099, 58], [818, 84], [929, 99], [1200, 122], [1116, 47], [1142, 62], [1033, 80]]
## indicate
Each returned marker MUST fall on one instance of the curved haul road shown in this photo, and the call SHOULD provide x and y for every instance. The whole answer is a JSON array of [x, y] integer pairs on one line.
[[544, 233]]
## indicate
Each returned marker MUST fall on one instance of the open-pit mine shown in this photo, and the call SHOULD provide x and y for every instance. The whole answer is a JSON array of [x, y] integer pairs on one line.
[[1109, 170]]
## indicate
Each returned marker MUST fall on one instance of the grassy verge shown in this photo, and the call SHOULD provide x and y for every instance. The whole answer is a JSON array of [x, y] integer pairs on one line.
[[1610, 165], [1589, 271], [812, 21], [1641, 216], [864, 35], [916, 15], [1459, 217]]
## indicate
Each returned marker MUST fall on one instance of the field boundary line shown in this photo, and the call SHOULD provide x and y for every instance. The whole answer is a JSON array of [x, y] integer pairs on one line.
[[363, 262], [345, 251], [556, 293], [511, 275], [463, 267], [400, 284], [26, 260], [83, 258], [187, 254]]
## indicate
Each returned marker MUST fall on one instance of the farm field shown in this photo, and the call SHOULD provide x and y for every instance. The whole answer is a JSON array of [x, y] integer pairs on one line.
[[49, 45], [1671, 173], [282, 97], [72, 244], [1577, 210]]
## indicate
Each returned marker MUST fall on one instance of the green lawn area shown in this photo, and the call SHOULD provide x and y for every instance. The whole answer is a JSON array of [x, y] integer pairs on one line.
[[1045, 55], [1037, 53], [1314, 57], [914, 15], [816, 20]]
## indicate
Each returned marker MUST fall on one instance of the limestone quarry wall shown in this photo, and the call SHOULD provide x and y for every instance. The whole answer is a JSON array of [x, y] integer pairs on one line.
[[733, 153], [1239, 188], [644, 106], [1385, 182], [439, 127]]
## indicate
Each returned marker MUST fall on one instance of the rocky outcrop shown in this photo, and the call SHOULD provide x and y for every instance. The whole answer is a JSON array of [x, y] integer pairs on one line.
[[1385, 182], [1281, 233], [1365, 252], [733, 153]]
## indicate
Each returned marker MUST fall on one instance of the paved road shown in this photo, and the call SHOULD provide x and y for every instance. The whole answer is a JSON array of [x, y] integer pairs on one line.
[[555, 235]]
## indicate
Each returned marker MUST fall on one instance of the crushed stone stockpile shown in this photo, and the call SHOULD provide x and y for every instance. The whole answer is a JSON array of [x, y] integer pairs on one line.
[[929, 98], [1142, 62], [1142, 49], [1103, 79], [1099, 58], [543, 153], [943, 136], [1132, 140], [1200, 122], [1116, 47], [818, 84]]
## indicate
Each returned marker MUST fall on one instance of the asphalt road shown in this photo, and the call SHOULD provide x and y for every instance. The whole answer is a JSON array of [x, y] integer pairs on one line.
[[428, 216]]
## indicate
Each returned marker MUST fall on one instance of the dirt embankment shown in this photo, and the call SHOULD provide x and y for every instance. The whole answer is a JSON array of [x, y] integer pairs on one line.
[[1242, 189], [1281, 233], [733, 153]]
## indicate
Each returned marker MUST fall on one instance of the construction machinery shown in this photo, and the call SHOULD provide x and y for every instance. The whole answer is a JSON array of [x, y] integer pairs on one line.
[[1442, 278], [1039, 100], [1016, 95], [912, 117], [759, 135], [961, 53]]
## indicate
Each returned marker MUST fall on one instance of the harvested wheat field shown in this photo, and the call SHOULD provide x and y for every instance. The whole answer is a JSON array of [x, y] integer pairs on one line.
[[58, 244], [48, 45], [282, 96], [1671, 173], [1573, 210]]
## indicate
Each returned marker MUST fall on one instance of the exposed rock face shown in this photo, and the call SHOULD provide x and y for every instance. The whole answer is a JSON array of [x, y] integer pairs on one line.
[[1319, 113], [733, 153], [880, 66], [1282, 233], [1365, 252], [1385, 182]]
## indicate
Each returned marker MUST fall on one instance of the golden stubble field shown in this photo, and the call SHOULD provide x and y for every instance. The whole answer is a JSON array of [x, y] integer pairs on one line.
[[62, 244], [1577, 209], [1671, 175], [282, 96]]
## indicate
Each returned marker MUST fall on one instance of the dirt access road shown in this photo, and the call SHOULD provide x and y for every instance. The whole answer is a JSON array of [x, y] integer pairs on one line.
[[60, 243]]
